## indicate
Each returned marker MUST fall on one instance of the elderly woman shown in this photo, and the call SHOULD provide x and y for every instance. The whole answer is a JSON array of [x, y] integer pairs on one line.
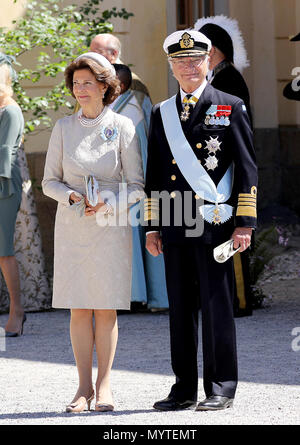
[[11, 130], [92, 256]]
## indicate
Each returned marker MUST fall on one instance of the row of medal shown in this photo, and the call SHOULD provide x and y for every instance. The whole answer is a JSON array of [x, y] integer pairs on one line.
[[218, 115], [211, 120]]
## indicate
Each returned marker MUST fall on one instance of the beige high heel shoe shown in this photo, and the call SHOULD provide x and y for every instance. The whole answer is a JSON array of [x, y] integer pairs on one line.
[[103, 407], [80, 404]]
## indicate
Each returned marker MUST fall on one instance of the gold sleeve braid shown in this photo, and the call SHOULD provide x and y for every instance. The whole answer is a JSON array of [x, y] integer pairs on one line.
[[247, 204], [151, 209]]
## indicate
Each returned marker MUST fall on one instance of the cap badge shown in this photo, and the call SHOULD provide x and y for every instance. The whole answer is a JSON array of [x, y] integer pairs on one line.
[[186, 41]]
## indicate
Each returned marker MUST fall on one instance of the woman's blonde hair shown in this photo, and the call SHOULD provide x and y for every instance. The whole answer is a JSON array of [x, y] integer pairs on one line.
[[5, 80]]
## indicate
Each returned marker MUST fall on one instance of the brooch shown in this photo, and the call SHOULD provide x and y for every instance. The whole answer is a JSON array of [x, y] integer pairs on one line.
[[108, 133]]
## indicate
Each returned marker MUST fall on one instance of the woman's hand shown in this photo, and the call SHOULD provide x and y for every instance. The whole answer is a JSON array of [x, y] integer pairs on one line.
[[89, 210], [74, 198]]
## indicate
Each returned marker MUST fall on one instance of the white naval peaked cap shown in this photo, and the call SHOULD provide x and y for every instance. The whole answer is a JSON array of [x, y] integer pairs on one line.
[[101, 60], [186, 43]]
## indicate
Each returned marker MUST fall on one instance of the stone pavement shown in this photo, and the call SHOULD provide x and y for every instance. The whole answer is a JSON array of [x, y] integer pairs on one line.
[[38, 377]]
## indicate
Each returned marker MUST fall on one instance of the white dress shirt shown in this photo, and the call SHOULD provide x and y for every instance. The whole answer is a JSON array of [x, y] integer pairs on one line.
[[197, 93]]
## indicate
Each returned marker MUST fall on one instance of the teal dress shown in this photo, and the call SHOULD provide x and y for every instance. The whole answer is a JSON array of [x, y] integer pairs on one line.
[[11, 130]]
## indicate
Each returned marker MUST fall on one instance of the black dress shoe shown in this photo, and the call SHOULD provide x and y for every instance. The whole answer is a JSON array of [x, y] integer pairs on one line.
[[171, 404], [214, 403]]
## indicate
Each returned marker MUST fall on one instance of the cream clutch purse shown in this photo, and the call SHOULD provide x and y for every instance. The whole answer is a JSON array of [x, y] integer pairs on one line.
[[224, 251], [91, 188]]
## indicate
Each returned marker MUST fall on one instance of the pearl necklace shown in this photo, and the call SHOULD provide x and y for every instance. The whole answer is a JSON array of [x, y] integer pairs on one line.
[[90, 122]]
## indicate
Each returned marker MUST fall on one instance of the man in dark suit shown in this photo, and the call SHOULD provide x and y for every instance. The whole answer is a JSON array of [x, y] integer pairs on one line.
[[227, 78], [195, 201]]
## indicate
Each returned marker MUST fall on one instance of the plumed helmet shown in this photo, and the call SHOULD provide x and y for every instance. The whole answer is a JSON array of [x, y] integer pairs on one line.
[[225, 34]]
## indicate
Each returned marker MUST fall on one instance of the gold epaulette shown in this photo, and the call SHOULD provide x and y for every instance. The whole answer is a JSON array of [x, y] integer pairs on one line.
[[247, 203], [151, 209]]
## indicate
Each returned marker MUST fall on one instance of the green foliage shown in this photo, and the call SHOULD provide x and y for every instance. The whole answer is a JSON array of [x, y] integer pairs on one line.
[[263, 252], [268, 244], [57, 34]]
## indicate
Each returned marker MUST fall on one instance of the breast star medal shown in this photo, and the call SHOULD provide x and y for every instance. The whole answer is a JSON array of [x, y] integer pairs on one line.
[[211, 163], [213, 145]]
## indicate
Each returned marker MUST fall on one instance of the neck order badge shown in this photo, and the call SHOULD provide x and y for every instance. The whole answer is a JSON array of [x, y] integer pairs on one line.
[[189, 103]]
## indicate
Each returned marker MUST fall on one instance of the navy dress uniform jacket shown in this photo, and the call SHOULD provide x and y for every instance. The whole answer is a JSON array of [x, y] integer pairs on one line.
[[236, 146]]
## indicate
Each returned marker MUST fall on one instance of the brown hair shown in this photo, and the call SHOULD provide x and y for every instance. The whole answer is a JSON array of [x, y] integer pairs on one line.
[[101, 74]]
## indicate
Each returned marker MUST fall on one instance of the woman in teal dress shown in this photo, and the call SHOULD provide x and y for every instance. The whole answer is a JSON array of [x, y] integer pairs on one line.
[[11, 130]]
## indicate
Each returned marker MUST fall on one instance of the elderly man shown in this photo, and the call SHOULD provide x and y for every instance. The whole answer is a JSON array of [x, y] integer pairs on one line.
[[110, 47], [201, 155]]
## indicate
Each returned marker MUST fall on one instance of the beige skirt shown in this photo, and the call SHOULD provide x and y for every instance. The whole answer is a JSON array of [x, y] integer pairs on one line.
[[92, 263]]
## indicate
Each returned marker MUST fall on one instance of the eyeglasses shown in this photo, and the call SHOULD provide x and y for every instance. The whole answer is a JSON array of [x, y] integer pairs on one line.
[[104, 51], [195, 62]]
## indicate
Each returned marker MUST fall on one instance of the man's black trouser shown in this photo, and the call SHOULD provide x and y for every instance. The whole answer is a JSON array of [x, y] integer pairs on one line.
[[185, 264]]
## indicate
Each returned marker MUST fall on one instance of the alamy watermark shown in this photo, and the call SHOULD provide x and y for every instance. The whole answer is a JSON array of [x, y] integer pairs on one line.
[[296, 81], [296, 341], [167, 209]]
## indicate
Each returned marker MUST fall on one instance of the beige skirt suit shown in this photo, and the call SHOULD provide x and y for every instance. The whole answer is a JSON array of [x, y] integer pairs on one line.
[[92, 254]]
